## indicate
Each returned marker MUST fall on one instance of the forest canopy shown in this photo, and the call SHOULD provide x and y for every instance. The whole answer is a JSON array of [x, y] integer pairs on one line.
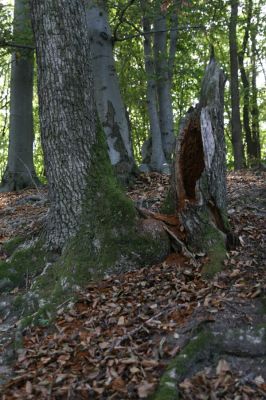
[[194, 26]]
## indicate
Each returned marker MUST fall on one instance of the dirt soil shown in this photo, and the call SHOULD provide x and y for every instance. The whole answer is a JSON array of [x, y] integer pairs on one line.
[[126, 333]]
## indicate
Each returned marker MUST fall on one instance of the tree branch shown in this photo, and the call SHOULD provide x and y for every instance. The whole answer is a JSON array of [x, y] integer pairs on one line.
[[16, 45], [120, 21], [180, 28]]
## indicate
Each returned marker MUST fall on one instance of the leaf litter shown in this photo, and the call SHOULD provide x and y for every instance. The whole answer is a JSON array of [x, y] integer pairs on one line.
[[117, 339]]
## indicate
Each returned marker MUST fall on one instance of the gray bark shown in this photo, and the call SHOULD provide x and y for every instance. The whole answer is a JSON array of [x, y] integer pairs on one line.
[[164, 85], [157, 156], [109, 102], [199, 180], [234, 90], [255, 126], [67, 111], [90, 220], [20, 171], [173, 44]]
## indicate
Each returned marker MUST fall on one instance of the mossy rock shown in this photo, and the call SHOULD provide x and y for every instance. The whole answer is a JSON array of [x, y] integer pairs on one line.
[[181, 365]]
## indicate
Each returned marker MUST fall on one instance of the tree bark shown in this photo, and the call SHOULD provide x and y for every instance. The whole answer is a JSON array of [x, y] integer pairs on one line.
[[157, 155], [199, 180], [234, 90], [254, 100], [67, 111], [246, 85], [20, 172], [109, 102], [164, 85], [90, 220]]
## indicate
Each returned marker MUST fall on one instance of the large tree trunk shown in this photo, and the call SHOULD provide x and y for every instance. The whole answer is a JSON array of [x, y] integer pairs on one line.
[[164, 85], [199, 182], [90, 222], [234, 89], [67, 111], [20, 171], [109, 102]]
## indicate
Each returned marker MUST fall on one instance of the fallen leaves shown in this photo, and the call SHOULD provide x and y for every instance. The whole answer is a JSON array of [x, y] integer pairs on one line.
[[221, 384], [115, 342]]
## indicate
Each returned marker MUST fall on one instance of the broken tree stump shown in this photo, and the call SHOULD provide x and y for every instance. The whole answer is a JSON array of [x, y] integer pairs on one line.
[[199, 176]]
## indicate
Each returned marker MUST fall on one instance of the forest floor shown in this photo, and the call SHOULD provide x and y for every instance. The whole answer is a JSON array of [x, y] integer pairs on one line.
[[164, 331]]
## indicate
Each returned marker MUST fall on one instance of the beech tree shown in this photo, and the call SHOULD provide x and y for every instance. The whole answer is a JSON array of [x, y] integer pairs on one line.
[[234, 90], [157, 156], [20, 172], [164, 62], [90, 221], [159, 58], [110, 107]]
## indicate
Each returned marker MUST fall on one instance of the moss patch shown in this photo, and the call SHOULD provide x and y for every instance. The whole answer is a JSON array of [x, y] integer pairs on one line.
[[214, 244], [180, 365], [169, 204], [24, 264], [109, 239], [10, 246]]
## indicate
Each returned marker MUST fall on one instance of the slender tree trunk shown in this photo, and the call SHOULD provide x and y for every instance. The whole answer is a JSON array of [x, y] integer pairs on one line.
[[157, 155], [234, 89], [173, 45], [246, 85], [254, 99], [109, 102], [20, 171], [164, 85]]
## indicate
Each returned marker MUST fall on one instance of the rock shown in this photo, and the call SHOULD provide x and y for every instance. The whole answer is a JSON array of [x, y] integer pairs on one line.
[[5, 284], [144, 168]]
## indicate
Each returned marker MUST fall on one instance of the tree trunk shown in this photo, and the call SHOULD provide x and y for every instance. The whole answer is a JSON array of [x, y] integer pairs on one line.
[[164, 85], [109, 102], [90, 219], [157, 156], [234, 89], [20, 171], [246, 85], [254, 100], [67, 113], [199, 182]]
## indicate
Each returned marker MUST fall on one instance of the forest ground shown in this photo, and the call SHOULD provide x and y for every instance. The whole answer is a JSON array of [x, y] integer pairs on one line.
[[117, 340]]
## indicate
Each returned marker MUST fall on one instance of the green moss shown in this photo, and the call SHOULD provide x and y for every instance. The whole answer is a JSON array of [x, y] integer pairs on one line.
[[216, 254], [23, 266], [212, 241], [10, 246], [109, 239], [169, 204], [180, 365]]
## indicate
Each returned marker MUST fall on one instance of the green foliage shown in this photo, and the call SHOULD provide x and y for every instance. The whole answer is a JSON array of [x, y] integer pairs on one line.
[[201, 24]]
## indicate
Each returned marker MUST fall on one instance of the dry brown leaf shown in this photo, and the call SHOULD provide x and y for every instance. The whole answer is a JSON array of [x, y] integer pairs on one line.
[[222, 367], [145, 389]]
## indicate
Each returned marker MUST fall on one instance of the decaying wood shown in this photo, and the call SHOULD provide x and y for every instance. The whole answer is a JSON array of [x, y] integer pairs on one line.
[[199, 176]]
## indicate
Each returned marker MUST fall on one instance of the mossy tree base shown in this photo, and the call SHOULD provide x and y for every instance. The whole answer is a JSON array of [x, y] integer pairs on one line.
[[111, 238]]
